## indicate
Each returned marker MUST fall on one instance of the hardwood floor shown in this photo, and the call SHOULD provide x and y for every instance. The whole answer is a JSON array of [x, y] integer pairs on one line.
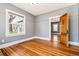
[[39, 48]]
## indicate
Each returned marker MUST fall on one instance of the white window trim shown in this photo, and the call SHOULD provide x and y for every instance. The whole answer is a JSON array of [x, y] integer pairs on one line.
[[7, 31]]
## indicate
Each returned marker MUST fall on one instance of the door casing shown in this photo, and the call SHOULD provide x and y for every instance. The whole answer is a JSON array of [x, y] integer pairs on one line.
[[50, 26]]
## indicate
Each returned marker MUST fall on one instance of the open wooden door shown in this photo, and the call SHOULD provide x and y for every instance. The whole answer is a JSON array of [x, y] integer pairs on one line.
[[64, 29]]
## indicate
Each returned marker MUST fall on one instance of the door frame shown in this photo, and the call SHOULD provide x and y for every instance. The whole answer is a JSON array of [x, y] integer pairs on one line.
[[50, 24]]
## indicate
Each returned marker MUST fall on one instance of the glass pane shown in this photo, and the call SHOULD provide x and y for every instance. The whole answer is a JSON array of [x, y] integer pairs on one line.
[[55, 27]]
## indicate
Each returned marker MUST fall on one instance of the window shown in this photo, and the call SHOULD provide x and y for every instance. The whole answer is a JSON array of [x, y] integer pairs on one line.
[[55, 27], [15, 23]]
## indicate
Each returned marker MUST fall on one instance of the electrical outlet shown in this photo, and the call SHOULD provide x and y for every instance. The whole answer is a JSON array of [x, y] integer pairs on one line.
[[3, 40]]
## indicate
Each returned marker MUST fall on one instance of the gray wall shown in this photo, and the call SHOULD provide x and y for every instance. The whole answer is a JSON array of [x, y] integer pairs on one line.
[[78, 22], [29, 23], [39, 25], [42, 22]]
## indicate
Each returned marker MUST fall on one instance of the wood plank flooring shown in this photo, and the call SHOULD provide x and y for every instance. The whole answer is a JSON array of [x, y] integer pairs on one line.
[[39, 47]]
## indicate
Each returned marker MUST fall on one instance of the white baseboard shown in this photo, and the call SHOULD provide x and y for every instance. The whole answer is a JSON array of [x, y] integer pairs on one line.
[[23, 40], [43, 38], [70, 42], [74, 43], [14, 42], [20, 41]]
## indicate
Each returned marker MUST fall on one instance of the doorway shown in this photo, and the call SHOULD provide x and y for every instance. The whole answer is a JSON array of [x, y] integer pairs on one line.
[[59, 29]]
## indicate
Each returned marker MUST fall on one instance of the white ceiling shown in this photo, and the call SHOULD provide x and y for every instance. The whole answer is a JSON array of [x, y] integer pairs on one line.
[[41, 8]]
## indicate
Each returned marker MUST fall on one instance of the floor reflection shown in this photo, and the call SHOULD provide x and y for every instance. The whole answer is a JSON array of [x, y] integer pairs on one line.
[[55, 43]]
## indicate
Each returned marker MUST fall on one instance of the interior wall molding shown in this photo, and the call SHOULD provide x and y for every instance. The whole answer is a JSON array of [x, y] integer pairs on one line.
[[74, 43], [14, 42], [20, 41], [43, 38], [70, 42], [35, 37]]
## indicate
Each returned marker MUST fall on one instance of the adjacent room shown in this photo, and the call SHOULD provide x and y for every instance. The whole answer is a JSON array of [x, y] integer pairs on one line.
[[39, 29]]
